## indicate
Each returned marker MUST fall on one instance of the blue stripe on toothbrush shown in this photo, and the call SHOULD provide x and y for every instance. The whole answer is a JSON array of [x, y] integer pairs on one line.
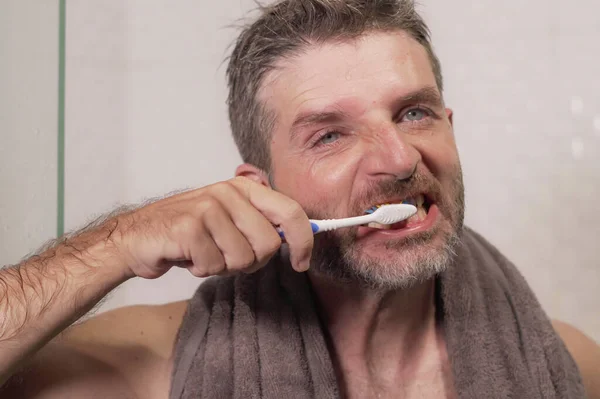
[[314, 227]]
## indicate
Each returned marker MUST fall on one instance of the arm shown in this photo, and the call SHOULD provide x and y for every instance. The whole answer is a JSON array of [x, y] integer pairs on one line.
[[48, 292], [586, 354], [221, 229]]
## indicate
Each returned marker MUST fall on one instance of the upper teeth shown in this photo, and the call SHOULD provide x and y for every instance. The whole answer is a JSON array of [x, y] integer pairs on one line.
[[417, 201], [420, 200]]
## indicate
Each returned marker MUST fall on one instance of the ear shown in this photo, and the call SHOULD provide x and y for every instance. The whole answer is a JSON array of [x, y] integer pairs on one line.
[[253, 173], [450, 115]]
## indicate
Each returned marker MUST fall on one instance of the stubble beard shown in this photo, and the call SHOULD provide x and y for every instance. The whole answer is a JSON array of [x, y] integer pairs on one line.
[[399, 263]]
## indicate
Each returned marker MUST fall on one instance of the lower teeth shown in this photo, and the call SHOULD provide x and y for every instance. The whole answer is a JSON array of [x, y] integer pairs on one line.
[[419, 216]]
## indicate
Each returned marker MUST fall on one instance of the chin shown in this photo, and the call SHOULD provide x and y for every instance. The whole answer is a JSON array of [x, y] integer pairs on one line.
[[394, 258], [403, 265], [393, 264]]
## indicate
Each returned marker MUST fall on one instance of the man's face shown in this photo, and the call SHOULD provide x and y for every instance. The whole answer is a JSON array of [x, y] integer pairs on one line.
[[361, 123]]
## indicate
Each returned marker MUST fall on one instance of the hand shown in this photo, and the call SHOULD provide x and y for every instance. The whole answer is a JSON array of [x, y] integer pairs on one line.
[[220, 229]]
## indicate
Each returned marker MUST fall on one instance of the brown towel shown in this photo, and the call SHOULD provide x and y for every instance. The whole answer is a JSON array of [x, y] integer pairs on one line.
[[259, 336]]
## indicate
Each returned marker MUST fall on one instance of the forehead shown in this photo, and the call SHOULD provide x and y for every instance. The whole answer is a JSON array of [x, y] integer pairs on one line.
[[354, 74]]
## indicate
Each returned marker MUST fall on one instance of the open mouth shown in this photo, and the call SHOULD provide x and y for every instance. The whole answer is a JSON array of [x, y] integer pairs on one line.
[[420, 201]]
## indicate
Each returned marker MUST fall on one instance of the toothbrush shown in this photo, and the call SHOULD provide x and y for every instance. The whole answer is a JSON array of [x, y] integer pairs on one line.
[[382, 214]]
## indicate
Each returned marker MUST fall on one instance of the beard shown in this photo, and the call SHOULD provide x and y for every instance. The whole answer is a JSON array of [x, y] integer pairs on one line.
[[397, 263]]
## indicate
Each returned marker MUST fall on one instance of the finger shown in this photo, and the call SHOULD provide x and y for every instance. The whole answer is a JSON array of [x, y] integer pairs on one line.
[[258, 230], [284, 212], [233, 245], [190, 245], [206, 256]]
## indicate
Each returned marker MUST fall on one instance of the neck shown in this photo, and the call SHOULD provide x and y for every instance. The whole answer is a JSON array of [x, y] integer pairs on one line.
[[385, 334]]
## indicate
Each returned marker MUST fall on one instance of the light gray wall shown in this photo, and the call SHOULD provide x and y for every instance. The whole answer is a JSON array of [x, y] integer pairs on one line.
[[28, 125], [146, 115], [523, 78], [146, 112]]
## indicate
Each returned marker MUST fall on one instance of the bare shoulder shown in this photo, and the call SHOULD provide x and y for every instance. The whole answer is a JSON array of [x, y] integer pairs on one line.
[[123, 353], [150, 326], [586, 353]]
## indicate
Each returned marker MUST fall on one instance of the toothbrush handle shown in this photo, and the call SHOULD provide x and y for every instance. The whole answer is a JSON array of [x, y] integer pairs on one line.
[[319, 226], [333, 224], [313, 224]]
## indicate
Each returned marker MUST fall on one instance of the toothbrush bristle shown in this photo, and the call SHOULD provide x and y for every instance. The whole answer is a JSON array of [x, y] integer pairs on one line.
[[392, 214], [374, 208]]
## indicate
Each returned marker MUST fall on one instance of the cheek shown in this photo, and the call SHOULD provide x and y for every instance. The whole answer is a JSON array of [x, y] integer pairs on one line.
[[440, 155], [322, 186]]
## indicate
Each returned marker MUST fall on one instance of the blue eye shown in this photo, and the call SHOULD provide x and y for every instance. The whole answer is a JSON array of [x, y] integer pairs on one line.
[[329, 137], [416, 115]]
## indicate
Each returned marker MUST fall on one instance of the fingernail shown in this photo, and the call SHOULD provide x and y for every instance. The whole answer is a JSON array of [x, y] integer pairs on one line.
[[304, 265]]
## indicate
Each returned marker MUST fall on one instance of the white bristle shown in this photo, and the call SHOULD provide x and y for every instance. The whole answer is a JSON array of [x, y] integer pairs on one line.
[[394, 213]]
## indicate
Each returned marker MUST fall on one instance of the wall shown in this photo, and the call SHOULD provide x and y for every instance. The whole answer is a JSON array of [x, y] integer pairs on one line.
[[28, 125], [146, 115], [523, 80], [146, 112]]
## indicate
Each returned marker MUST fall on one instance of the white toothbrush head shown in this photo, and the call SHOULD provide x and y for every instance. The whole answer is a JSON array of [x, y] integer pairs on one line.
[[393, 213]]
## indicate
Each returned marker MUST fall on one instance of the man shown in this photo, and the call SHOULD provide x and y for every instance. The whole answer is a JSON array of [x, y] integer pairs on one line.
[[336, 106]]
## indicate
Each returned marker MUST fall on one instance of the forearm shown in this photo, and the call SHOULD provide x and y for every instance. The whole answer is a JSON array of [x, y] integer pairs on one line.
[[45, 294]]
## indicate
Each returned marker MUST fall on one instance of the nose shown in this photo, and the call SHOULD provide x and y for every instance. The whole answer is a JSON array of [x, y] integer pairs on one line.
[[390, 154]]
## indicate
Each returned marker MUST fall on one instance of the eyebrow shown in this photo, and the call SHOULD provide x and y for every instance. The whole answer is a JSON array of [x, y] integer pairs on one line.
[[311, 118], [428, 95]]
